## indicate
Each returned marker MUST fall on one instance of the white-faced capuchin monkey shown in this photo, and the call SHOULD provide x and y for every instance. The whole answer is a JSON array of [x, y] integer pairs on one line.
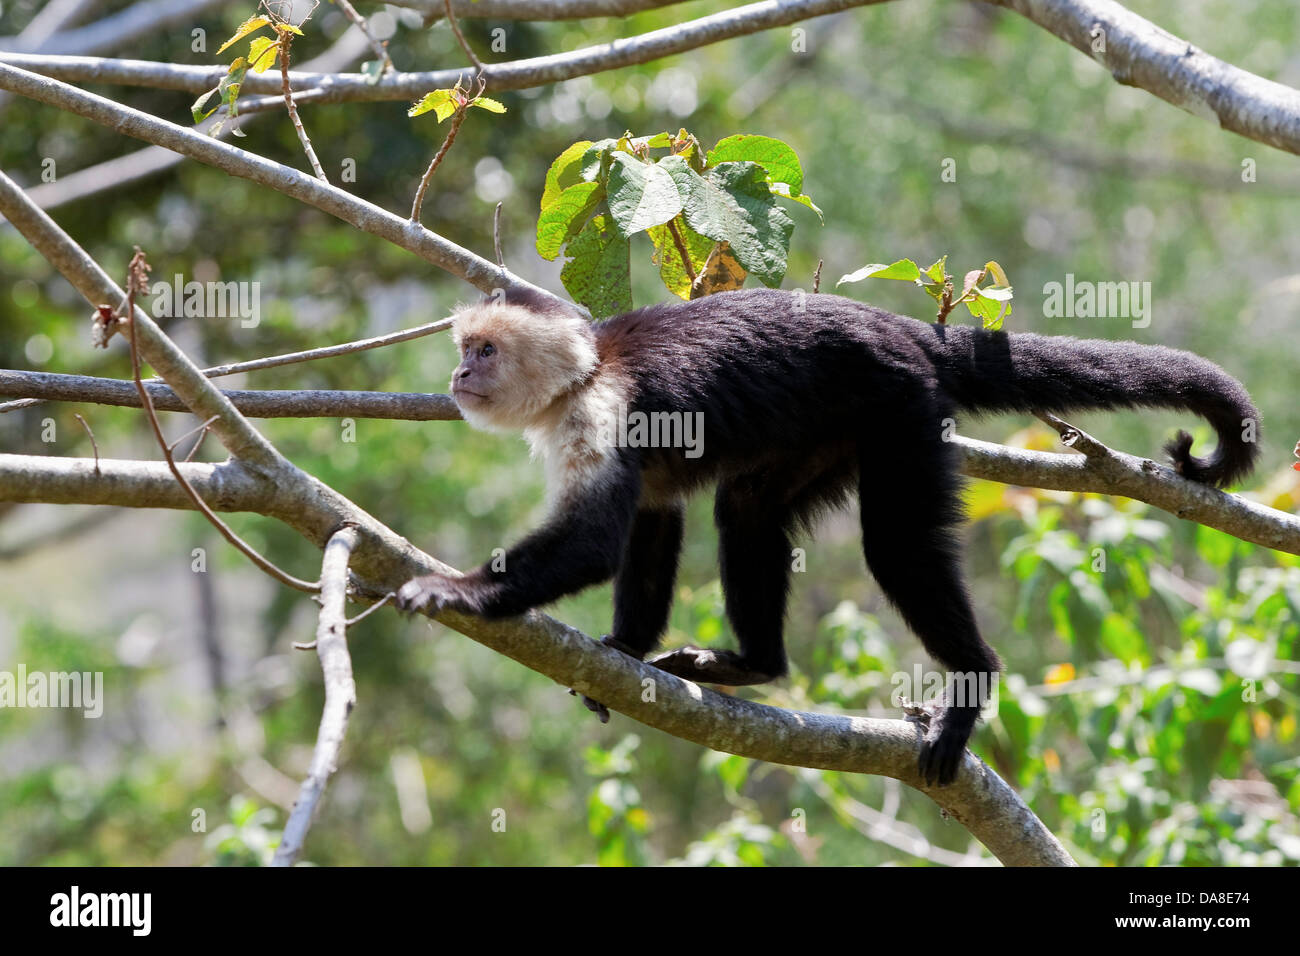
[[804, 400]]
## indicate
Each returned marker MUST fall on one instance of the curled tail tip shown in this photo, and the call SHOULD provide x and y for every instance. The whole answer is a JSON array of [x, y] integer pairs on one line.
[[1228, 464]]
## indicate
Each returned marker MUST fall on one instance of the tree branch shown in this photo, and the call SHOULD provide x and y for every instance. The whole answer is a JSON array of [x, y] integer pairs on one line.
[[533, 9], [1139, 53], [516, 75], [255, 403], [979, 799], [474, 269], [340, 693]]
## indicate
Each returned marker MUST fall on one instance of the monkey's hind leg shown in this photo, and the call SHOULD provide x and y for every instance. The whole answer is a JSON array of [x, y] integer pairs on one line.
[[910, 510], [754, 556]]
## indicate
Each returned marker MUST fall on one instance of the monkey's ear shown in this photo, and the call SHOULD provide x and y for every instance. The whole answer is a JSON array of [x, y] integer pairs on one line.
[[532, 300]]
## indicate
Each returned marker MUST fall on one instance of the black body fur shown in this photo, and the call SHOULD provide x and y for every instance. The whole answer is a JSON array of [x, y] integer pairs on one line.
[[806, 400]]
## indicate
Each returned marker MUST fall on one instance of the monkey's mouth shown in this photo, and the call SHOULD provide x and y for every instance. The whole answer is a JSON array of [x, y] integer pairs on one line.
[[458, 393]]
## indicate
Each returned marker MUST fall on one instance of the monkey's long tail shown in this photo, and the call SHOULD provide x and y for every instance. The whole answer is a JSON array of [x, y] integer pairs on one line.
[[996, 372]]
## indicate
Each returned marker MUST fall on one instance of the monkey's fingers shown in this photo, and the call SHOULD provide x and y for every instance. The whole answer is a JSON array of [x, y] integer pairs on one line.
[[595, 706]]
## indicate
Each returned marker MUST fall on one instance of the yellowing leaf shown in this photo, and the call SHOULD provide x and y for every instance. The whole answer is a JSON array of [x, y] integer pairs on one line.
[[441, 102], [489, 104], [1060, 674], [261, 54], [251, 25]]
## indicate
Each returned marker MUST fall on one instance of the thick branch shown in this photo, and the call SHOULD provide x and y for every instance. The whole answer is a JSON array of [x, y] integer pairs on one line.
[[1117, 473], [517, 75], [1139, 53], [255, 403], [85, 275], [979, 799], [534, 9], [152, 160], [340, 693], [1111, 473], [480, 272]]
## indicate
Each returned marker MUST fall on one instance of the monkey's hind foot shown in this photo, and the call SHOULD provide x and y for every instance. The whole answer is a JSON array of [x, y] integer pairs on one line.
[[711, 667], [595, 706], [944, 745]]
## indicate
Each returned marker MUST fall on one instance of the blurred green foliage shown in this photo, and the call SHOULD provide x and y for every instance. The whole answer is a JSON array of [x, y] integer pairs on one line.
[[1149, 710]]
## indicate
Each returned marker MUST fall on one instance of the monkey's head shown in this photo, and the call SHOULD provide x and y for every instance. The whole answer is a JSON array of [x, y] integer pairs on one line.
[[518, 356]]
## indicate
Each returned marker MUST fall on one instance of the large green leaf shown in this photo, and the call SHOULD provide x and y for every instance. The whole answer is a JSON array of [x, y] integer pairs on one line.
[[564, 217], [641, 195], [776, 157], [599, 271], [566, 171], [595, 158], [732, 203]]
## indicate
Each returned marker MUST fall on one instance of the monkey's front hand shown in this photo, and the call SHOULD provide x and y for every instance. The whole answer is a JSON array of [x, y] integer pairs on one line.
[[438, 592]]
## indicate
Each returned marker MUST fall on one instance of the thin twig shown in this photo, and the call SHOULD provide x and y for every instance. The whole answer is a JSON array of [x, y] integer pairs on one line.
[[817, 277], [437, 159], [380, 47], [680, 243], [253, 403], [286, 41], [496, 234], [373, 608], [93, 444], [1075, 437], [288, 358], [135, 280], [196, 428], [460, 38], [340, 692]]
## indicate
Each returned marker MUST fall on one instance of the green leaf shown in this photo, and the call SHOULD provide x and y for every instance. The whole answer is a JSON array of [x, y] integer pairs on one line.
[[669, 258], [595, 159], [937, 271], [732, 203], [641, 195], [598, 272], [489, 104], [775, 156], [200, 110], [251, 25], [442, 102], [262, 53], [904, 269], [990, 312], [564, 218], [783, 189], [566, 171]]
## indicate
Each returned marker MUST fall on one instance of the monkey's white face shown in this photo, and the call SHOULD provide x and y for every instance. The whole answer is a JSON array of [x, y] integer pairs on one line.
[[516, 363]]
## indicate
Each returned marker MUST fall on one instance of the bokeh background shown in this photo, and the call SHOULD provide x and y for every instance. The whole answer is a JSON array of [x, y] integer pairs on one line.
[[1149, 710]]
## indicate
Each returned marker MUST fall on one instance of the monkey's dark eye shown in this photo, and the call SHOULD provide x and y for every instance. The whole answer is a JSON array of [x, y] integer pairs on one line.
[[487, 350]]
